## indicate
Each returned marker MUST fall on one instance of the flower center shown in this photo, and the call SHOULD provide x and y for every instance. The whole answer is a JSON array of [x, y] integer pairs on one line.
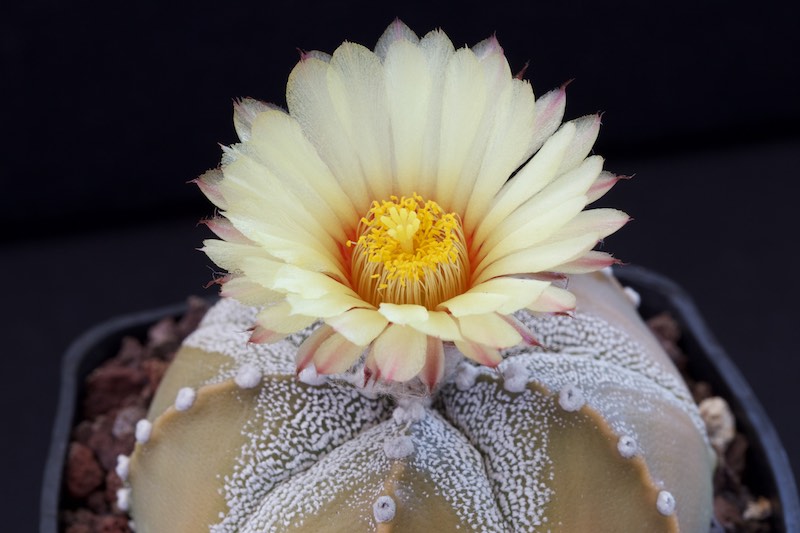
[[409, 251]]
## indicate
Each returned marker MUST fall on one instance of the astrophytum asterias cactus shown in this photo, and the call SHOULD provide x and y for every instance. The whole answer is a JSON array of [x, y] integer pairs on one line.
[[592, 431]]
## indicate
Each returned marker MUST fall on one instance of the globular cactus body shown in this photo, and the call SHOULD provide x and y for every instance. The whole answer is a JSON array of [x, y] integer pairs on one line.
[[592, 431]]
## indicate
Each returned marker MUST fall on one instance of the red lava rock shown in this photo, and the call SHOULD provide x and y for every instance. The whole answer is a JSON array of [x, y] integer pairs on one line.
[[83, 474], [727, 513], [197, 308], [131, 352], [97, 502], [112, 524], [108, 385], [155, 369], [113, 483], [163, 338]]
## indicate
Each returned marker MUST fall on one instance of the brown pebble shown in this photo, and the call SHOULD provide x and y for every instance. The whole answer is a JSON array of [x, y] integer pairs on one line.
[[735, 456], [108, 385], [97, 502], [131, 352], [196, 310], [83, 473], [113, 483], [727, 513], [154, 369], [163, 338], [112, 524]]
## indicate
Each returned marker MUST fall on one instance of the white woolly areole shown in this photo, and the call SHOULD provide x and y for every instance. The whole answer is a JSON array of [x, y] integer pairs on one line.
[[608, 272], [384, 509], [123, 466], [627, 447], [143, 429], [571, 397], [665, 503], [124, 499], [248, 376], [466, 375], [309, 376], [515, 376], [185, 398], [398, 447], [410, 412], [633, 296]]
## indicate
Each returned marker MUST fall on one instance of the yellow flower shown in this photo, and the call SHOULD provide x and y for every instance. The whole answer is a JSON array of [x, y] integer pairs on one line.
[[412, 196]]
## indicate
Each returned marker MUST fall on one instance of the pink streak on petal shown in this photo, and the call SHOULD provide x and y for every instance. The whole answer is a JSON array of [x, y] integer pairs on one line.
[[223, 229], [209, 185], [522, 329], [602, 185], [306, 351], [336, 354], [590, 262], [482, 354], [262, 335], [433, 371]]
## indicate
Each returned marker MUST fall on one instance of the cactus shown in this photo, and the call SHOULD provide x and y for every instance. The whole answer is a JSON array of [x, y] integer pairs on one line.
[[593, 430]]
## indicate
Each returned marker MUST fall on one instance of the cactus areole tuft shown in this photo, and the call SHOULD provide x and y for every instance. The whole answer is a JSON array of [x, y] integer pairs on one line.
[[415, 335]]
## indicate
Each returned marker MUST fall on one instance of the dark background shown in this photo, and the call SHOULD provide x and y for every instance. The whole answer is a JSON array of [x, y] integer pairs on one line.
[[109, 109]]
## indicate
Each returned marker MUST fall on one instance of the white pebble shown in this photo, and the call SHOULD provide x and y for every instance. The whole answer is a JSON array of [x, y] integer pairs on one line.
[[515, 377], [248, 376], [633, 296], [571, 397], [398, 447], [123, 466], [124, 499], [665, 503], [309, 376], [384, 509], [466, 376], [143, 429], [626, 446], [720, 424], [185, 398]]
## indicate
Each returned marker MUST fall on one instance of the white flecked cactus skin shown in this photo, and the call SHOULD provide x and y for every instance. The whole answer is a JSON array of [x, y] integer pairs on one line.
[[593, 431]]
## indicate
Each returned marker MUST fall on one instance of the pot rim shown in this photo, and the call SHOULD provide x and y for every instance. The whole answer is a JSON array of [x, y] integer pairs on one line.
[[90, 348]]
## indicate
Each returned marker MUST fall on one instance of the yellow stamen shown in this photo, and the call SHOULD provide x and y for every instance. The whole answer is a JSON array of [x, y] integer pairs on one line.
[[409, 251]]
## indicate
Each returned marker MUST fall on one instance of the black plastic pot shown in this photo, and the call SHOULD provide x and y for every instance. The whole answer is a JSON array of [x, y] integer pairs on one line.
[[770, 474]]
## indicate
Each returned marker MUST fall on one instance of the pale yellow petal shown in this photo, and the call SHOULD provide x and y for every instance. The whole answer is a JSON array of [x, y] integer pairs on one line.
[[400, 352], [438, 324], [497, 78], [554, 300], [336, 355], [589, 262], [586, 130], [310, 103], [463, 106], [307, 283], [548, 114], [433, 371], [538, 258], [280, 318], [244, 113], [519, 292], [306, 350], [279, 141], [510, 144], [408, 87], [359, 326], [480, 353], [490, 330], [358, 94], [403, 313], [246, 291], [473, 303], [540, 225], [604, 222], [396, 31], [230, 255], [531, 179], [327, 306], [438, 50]]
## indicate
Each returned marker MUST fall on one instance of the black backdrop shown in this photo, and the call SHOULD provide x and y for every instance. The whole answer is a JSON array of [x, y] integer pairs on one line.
[[109, 109]]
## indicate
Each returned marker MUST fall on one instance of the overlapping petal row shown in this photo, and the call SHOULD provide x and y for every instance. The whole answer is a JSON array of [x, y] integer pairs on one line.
[[415, 118]]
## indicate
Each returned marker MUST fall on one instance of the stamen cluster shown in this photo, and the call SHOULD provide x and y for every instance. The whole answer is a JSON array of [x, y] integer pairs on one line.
[[409, 251]]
